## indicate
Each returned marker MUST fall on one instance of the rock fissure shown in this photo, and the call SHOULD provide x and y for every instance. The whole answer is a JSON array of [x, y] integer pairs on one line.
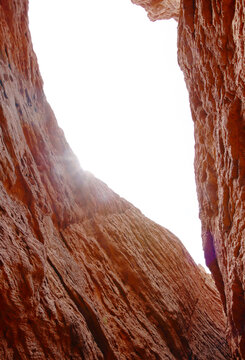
[[89, 315]]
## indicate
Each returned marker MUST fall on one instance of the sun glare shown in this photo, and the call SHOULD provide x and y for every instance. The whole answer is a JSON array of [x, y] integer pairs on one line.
[[112, 79]]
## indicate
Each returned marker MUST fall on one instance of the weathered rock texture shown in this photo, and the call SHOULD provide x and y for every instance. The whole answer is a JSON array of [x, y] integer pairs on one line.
[[160, 9], [211, 55], [83, 274]]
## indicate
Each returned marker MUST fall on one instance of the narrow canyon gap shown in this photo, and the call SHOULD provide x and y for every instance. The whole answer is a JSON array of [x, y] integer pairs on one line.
[[83, 274], [211, 54], [136, 139]]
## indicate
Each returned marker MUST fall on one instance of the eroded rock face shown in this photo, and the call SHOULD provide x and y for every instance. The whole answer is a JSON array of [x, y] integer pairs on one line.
[[211, 55], [160, 9], [83, 274]]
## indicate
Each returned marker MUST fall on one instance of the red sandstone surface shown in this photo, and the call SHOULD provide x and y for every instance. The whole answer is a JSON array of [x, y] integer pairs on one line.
[[83, 274], [211, 55]]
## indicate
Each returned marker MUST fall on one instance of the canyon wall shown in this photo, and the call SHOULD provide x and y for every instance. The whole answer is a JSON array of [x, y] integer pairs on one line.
[[83, 274], [211, 55]]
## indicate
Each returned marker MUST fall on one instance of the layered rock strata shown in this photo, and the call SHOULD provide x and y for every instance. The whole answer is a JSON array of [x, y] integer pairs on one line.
[[211, 55], [83, 274]]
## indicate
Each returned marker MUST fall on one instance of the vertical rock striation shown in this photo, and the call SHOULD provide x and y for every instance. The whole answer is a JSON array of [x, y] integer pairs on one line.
[[211, 55], [83, 274]]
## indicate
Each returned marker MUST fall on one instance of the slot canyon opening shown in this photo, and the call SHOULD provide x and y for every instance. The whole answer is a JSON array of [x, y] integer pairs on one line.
[[112, 79]]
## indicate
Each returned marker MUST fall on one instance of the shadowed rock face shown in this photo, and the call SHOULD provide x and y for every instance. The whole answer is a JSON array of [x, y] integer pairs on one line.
[[211, 55], [83, 274]]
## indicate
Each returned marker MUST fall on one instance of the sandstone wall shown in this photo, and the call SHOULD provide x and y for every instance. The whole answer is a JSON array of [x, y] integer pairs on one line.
[[211, 55]]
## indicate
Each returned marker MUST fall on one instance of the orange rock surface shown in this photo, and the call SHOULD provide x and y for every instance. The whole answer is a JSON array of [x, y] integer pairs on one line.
[[160, 9], [211, 55], [83, 274]]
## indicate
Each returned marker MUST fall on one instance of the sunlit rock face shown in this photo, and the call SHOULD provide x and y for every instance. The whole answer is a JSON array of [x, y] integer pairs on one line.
[[83, 274], [211, 55], [160, 9]]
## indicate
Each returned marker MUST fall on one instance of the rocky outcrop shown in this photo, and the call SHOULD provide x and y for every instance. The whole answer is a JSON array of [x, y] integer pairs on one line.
[[160, 9], [211, 55], [83, 274]]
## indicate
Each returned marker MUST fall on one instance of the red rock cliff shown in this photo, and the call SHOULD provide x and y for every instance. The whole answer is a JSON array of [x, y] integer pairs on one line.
[[211, 55], [83, 274]]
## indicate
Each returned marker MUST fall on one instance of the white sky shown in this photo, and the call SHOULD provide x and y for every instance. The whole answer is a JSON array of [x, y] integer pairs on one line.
[[112, 79]]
